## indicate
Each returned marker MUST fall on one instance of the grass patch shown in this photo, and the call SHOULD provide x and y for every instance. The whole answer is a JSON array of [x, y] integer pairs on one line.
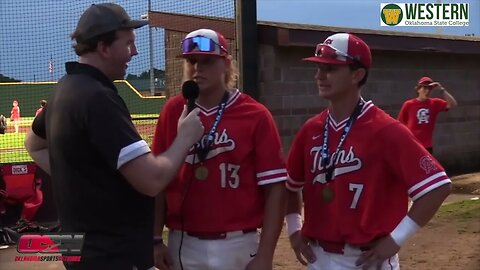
[[12, 145], [147, 137], [15, 157], [12, 148], [145, 115], [12, 140], [463, 210], [24, 122]]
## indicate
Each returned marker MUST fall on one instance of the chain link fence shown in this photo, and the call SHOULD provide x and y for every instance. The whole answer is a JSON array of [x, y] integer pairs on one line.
[[35, 43]]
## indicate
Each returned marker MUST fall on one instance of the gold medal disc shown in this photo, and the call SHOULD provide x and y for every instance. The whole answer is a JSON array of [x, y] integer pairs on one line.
[[328, 194], [201, 173]]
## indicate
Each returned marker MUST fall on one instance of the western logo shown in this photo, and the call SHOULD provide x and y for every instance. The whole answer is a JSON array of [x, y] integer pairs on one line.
[[424, 14], [391, 14]]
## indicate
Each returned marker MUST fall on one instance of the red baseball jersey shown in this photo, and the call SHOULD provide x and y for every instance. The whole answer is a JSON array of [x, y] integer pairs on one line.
[[379, 165], [246, 153], [15, 113], [38, 111], [420, 117]]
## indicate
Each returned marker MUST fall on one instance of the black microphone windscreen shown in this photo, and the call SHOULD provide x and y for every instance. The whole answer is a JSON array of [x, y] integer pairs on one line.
[[190, 90]]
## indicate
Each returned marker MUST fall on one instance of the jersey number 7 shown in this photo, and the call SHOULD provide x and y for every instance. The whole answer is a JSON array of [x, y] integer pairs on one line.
[[357, 188]]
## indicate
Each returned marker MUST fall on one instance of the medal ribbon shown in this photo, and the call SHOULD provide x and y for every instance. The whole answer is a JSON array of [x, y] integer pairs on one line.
[[325, 156], [204, 147]]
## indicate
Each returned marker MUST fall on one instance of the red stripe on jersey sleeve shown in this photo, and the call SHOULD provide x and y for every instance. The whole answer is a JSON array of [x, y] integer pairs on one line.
[[428, 184], [294, 185], [272, 176]]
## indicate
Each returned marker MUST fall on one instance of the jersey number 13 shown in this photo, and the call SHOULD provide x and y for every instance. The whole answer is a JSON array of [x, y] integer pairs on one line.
[[229, 175]]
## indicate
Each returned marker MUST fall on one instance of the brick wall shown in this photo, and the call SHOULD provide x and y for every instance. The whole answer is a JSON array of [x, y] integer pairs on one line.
[[288, 89]]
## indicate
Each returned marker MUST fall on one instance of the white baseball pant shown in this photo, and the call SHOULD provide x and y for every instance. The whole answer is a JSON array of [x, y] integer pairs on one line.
[[346, 261], [232, 253]]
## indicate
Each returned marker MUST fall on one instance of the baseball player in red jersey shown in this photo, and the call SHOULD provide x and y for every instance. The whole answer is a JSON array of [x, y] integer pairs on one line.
[[420, 114], [224, 193], [357, 167], [15, 115]]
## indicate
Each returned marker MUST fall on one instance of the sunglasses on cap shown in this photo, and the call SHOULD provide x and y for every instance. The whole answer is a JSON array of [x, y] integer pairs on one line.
[[200, 44], [327, 51]]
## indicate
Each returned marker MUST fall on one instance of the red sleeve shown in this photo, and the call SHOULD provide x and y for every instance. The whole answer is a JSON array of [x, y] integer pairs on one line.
[[269, 157], [411, 163], [166, 127], [295, 162], [157, 145], [403, 114], [440, 104]]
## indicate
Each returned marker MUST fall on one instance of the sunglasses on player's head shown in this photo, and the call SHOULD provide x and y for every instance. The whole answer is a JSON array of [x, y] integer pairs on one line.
[[200, 44], [327, 51]]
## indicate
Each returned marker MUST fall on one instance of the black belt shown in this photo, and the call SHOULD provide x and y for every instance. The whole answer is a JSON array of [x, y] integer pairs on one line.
[[215, 235], [336, 247]]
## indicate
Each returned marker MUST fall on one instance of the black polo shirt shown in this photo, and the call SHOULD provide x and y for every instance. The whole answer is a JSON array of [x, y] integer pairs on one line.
[[90, 136]]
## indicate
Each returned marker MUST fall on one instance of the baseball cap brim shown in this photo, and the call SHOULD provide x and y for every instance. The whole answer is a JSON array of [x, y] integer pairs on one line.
[[134, 24], [323, 60]]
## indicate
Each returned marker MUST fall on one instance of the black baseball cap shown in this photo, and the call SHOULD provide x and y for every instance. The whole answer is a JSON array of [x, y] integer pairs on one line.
[[102, 18]]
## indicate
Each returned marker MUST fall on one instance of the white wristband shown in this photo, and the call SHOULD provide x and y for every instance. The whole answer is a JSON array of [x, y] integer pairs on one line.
[[404, 230], [294, 223]]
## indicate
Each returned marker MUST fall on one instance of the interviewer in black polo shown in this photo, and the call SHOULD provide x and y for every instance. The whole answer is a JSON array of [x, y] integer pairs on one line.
[[103, 173]]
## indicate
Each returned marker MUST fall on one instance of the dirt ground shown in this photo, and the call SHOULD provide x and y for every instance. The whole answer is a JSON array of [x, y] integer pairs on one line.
[[451, 241], [446, 243]]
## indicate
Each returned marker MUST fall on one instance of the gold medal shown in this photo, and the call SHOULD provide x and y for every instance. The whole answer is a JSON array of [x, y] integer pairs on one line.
[[328, 194], [201, 173]]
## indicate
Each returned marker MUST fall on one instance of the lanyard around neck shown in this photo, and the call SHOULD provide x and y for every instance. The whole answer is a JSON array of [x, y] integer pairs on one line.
[[208, 141], [348, 126]]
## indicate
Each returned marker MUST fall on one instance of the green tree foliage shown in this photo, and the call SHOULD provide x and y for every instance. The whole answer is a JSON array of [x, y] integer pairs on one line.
[[7, 79], [158, 73]]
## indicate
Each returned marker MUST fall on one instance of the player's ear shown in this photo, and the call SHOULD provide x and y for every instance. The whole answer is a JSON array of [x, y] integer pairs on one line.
[[358, 75], [103, 49]]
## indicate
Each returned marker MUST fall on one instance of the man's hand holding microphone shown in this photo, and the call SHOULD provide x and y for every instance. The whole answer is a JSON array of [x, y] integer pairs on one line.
[[189, 124]]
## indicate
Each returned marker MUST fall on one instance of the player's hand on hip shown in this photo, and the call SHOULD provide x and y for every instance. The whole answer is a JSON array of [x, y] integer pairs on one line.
[[302, 250], [260, 263], [162, 258], [190, 126], [382, 249]]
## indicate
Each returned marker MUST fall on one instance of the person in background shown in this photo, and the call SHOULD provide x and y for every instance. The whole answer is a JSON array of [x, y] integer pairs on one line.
[[420, 114], [3, 124], [43, 103], [15, 115]]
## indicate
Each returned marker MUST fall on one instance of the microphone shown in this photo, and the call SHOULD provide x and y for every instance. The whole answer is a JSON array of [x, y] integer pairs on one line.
[[190, 92]]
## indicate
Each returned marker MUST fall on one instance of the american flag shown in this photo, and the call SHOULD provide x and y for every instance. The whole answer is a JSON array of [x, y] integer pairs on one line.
[[50, 65]]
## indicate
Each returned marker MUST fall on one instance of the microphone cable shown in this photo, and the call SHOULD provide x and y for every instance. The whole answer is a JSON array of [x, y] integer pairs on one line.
[[182, 208]]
